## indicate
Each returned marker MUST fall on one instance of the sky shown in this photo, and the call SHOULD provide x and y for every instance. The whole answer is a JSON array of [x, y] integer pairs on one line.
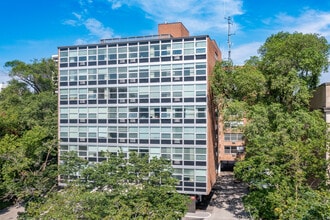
[[33, 29]]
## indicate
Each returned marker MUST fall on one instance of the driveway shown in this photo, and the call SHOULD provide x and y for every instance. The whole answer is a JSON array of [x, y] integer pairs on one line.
[[225, 202]]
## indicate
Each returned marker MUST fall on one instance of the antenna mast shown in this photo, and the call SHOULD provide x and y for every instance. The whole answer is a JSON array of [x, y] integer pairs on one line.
[[229, 22]]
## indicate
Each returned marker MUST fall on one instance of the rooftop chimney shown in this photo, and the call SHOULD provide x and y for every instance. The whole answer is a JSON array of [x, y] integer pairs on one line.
[[176, 29]]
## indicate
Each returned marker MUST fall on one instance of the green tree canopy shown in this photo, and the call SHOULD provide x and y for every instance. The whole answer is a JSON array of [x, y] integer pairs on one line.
[[118, 188], [28, 134], [38, 75], [285, 162], [292, 65]]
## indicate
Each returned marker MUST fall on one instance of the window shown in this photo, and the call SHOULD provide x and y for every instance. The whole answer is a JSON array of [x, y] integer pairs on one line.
[[200, 112], [189, 91], [201, 90], [112, 53], [230, 149], [73, 132], [188, 48], [112, 112], [143, 112], [154, 50], [73, 94], [166, 112], [144, 72], [200, 69], [92, 113], [233, 124], [154, 112], [102, 54], [233, 137], [154, 91], [189, 112], [189, 175], [102, 73], [113, 93], [154, 71], [92, 74], [188, 133], [102, 113], [64, 113], [201, 133], [177, 70], [177, 48], [82, 74], [143, 51], [166, 49], [92, 93], [166, 70], [63, 94], [177, 112], [189, 69], [73, 75], [122, 112], [200, 47]]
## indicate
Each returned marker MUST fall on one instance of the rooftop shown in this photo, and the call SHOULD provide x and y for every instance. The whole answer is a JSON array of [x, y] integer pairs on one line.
[[138, 38]]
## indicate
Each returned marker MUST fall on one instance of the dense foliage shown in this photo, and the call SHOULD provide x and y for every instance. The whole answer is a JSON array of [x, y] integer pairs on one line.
[[285, 163], [28, 132], [118, 188]]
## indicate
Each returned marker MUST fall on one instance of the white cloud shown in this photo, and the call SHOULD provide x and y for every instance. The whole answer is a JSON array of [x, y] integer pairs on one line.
[[80, 42], [310, 21], [74, 22], [116, 3], [70, 22], [198, 16], [96, 28], [243, 52]]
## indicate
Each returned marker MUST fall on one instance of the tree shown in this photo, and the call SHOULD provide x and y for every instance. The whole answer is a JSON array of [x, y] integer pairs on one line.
[[285, 163], [292, 65], [28, 138], [284, 160], [118, 188], [38, 75]]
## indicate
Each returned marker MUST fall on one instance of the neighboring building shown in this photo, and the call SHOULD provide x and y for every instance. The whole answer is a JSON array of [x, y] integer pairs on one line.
[[321, 100], [231, 141], [146, 94]]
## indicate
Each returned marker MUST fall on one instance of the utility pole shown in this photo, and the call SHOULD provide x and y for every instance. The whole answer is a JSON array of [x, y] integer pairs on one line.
[[229, 22]]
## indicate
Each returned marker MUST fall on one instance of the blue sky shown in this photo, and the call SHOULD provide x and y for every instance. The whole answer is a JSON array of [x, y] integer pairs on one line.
[[33, 29]]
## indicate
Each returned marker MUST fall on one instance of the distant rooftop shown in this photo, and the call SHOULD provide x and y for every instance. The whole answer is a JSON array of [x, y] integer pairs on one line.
[[138, 38]]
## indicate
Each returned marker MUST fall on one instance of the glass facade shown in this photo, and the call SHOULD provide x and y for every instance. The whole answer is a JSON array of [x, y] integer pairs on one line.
[[146, 96]]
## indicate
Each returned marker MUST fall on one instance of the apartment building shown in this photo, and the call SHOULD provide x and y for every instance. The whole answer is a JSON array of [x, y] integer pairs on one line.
[[148, 94]]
